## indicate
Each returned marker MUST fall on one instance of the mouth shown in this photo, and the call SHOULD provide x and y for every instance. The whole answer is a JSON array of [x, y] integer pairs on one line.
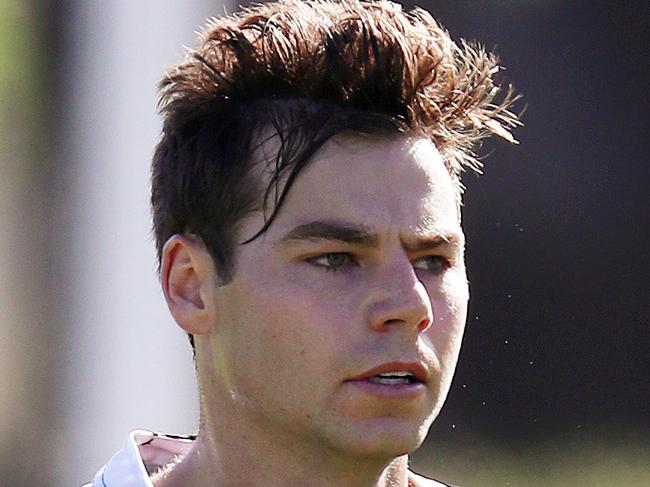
[[393, 378], [395, 374]]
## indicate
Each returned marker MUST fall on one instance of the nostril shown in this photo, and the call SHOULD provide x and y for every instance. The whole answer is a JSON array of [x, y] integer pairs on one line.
[[424, 324], [394, 321]]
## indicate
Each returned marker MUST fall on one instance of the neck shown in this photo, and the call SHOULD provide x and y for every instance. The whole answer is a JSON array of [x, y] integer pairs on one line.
[[248, 459]]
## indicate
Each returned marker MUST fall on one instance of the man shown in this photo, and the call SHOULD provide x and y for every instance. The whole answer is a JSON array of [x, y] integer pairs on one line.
[[306, 202]]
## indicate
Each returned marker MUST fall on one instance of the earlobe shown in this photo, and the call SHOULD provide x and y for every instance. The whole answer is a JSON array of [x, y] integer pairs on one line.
[[187, 279]]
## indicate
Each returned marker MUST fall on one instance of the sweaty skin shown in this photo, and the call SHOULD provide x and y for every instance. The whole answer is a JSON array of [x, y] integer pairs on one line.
[[363, 266]]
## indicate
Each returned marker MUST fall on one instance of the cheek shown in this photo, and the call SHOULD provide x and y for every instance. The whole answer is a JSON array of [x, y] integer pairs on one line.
[[295, 323], [304, 298], [450, 310]]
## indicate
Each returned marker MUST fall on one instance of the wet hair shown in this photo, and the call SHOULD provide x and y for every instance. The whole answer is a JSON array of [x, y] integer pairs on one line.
[[309, 70]]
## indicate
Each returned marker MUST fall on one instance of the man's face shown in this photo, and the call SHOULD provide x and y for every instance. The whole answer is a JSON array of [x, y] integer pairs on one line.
[[343, 322]]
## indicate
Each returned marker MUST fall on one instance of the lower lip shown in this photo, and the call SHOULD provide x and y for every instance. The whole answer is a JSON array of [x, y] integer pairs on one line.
[[405, 391]]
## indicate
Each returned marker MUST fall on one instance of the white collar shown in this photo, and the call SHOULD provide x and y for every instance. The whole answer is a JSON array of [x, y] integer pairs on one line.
[[143, 453]]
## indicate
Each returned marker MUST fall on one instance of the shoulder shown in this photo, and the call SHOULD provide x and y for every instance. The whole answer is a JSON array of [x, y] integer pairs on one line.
[[143, 453], [416, 480]]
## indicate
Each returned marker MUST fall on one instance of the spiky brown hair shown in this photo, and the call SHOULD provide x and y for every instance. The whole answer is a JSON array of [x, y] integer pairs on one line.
[[310, 69]]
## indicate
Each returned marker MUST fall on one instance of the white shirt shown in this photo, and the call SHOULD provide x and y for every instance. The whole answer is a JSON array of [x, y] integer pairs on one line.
[[145, 452]]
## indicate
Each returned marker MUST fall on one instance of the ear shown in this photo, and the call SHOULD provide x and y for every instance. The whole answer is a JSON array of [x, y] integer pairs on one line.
[[187, 276]]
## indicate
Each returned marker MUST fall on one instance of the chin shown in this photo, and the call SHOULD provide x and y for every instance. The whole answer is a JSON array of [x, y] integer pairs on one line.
[[385, 438]]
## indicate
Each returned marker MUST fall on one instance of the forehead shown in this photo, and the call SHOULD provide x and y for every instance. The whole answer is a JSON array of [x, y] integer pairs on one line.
[[395, 182]]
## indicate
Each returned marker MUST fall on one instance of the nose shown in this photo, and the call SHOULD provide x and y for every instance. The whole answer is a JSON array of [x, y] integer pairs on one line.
[[398, 298]]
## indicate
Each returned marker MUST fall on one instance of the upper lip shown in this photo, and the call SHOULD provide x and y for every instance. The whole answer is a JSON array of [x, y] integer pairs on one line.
[[418, 369]]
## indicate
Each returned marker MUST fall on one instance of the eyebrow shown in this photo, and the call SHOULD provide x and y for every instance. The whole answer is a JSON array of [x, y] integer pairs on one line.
[[331, 230], [361, 235], [423, 244]]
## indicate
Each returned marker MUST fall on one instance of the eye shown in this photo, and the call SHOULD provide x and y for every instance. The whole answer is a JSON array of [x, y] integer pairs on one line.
[[431, 263], [332, 260]]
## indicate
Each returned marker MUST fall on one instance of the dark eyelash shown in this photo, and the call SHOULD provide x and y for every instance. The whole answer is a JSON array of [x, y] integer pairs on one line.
[[328, 268], [445, 263]]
